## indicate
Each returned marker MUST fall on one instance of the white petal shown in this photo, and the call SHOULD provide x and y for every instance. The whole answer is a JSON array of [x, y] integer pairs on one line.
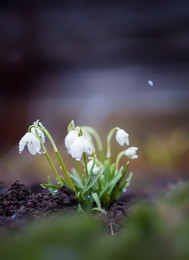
[[95, 168], [134, 156], [36, 144], [131, 152], [39, 132], [69, 139], [80, 146], [89, 165], [76, 153], [31, 148], [32, 143], [88, 147], [122, 137], [23, 142]]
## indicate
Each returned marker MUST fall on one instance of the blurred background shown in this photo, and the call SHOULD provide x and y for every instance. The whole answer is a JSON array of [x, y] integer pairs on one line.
[[91, 61]]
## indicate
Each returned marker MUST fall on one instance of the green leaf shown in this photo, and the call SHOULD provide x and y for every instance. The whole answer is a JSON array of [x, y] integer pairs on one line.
[[77, 180], [96, 199], [112, 182], [117, 188], [99, 209], [76, 174], [90, 174], [51, 189], [127, 182], [44, 185], [106, 171], [80, 209], [64, 181], [98, 203], [93, 181], [119, 173], [124, 171]]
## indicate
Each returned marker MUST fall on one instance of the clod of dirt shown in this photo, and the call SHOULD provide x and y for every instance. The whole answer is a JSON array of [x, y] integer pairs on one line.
[[18, 203], [65, 197], [114, 217]]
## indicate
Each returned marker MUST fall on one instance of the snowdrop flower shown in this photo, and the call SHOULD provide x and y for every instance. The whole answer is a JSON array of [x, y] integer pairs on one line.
[[79, 146], [39, 132], [95, 168], [70, 138], [131, 152], [32, 143], [122, 137]]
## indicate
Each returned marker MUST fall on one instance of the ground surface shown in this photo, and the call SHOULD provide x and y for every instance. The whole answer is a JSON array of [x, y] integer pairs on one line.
[[19, 204]]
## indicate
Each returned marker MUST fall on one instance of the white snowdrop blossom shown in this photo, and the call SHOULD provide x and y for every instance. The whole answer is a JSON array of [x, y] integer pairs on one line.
[[32, 143], [131, 152], [70, 138], [122, 137], [95, 168], [39, 132], [79, 146]]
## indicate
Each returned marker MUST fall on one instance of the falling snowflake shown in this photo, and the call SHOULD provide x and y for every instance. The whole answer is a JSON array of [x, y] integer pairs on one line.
[[150, 83]]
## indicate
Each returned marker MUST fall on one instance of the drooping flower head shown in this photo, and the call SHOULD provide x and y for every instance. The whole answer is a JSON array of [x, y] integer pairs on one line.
[[131, 152], [122, 137], [70, 138], [77, 143], [79, 146], [32, 143], [39, 133]]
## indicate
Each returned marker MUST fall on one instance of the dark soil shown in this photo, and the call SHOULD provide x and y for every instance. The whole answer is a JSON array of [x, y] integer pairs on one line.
[[18, 205]]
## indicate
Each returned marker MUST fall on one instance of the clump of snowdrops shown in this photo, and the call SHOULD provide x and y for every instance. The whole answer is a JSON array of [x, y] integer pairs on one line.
[[97, 180]]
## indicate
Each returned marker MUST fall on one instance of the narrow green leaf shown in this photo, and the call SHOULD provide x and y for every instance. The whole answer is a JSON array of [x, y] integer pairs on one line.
[[51, 189], [92, 182], [112, 182], [77, 180], [44, 185], [124, 171], [96, 199], [115, 184], [90, 174], [80, 209], [64, 181], [76, 174], [106, 171], [117, 188], [99, 209], [127, 182]]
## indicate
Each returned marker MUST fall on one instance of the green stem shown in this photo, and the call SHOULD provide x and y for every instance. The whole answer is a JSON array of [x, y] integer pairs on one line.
[[78, 167], [119, 156], [51, 164], [85, 163], [65, 171], [58, 156], [109, 137], [50, 138], [98, 140]]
